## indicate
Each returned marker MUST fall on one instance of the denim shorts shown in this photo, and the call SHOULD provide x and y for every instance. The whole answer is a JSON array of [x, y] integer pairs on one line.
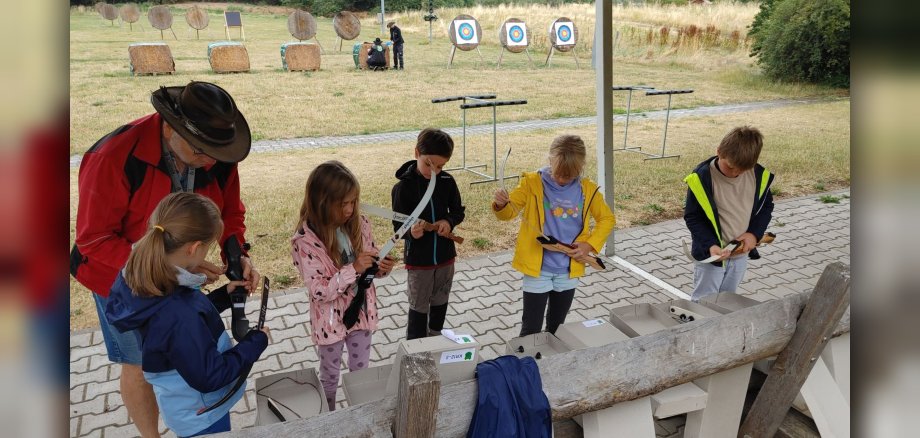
[[122, 347], [548, 281]]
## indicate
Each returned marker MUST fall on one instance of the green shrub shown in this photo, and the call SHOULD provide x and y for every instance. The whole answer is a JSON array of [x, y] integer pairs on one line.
[[804, 41]]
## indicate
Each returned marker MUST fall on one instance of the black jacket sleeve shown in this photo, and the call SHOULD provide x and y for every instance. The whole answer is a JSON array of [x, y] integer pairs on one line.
[[400, 205], [455, 209], [761, 218], [220, 298]]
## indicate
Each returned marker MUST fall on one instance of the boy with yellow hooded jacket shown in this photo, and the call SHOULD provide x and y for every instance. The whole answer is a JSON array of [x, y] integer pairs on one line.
[[554, 202]]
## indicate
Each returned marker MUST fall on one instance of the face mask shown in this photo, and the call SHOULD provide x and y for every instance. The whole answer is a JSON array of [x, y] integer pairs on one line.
[[189, 279]]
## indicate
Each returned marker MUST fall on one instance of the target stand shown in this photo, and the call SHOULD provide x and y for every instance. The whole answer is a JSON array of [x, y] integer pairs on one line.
[[465, 33], [513, 37], [563, 35], [667, 118], [347, 27], [480, 101], [161, 18]]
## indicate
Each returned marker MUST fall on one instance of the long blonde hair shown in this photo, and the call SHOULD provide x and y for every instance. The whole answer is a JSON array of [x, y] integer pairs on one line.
[[327, 186], [178, 219]]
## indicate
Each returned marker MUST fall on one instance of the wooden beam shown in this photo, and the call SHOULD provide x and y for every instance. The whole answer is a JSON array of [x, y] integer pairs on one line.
[[417, 399], [823, 310], [588, 380]]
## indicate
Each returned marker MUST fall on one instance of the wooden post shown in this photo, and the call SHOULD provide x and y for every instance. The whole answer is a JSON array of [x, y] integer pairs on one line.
[[814, 328], [417, 398]]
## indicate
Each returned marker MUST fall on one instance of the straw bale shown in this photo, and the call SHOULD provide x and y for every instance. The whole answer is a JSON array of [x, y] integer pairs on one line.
[[109, 12], [552, 35], [302, 25], [503, 35], [301, 57], [453, 32], [130, 13], [229, 59], [151, 59], [160, 17], [362, 55], [197, 18], [347, 25]]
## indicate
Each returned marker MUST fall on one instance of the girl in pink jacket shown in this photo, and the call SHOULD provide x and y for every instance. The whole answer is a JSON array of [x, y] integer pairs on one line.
[[331, 247]]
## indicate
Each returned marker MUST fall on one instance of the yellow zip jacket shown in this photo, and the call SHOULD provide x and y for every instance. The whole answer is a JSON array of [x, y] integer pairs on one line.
[[527, 197]]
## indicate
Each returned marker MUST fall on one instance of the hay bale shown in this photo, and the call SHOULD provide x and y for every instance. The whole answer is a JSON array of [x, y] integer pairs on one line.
[[452, 32], [109, 12], [503, 35], [228, 57], [347, 25], [151, 58], [130, 13], [552, 35], [302, 25], [300, 56], [160, 17], [362, 53], [197, 18]]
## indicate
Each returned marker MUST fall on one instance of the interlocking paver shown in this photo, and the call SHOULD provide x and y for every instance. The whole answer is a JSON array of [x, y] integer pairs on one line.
[[486, 302]]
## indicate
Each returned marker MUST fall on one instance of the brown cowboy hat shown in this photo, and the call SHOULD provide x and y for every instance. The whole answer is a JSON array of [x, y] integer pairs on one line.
[[206, 116]]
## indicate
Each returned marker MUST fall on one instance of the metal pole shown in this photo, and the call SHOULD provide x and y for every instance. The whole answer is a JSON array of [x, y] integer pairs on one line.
[[382, 15], [494, 147], [666, 118], [626, 128], [603, 90], [464, 133]]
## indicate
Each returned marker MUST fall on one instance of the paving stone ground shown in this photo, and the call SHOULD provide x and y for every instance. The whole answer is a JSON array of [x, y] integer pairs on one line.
[[486, 303]]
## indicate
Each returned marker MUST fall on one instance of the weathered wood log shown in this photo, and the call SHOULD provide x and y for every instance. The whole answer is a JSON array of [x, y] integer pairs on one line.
[[592, 379], [417, 399], [823, 310]]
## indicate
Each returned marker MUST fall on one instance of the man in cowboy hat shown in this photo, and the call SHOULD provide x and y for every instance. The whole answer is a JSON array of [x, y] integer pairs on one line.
[[191, 143], [376, 57]]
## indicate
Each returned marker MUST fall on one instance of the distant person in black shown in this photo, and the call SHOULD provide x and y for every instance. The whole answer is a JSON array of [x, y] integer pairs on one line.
[[375, 56], [397, 39]]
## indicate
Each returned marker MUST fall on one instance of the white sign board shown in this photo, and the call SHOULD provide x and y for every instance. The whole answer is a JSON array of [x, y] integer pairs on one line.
[[565, 33], [466, 31], [516, 34]]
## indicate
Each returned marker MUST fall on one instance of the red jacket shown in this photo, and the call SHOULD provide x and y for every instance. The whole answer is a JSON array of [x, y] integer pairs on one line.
[[122, 179]]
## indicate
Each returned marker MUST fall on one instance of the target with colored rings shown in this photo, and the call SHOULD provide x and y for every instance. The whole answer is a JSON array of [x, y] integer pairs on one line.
[[516, 33], [564, 34], [466, 32]]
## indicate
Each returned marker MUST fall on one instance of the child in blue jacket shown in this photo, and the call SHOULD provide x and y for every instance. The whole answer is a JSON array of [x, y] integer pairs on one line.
[[187, 355]]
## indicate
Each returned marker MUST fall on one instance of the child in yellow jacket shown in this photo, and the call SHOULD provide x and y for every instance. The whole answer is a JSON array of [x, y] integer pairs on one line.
[[555, 202]]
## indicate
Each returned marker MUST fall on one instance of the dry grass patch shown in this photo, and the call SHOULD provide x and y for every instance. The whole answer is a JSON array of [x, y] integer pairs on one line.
[[806, 146]]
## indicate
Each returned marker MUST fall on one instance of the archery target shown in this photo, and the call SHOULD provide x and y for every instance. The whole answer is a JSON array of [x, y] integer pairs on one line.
[[565, 33], [466, 32], [516, 34]]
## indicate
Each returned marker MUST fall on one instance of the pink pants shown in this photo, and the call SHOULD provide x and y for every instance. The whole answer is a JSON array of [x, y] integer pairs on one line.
[[359, 351]]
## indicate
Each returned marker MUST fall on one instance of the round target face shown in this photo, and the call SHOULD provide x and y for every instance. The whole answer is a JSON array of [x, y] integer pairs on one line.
[[516, 33], [466, 31], [564, 34]]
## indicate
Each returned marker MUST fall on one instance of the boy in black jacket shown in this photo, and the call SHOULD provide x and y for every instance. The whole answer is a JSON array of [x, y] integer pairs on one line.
[[429, 255], [397, 39], [728, 198]]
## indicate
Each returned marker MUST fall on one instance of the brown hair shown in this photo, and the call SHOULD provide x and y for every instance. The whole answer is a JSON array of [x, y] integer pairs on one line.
[[741, 147], [433, 141], [179, 219], [567, 156], [328, 185], [391, 24]]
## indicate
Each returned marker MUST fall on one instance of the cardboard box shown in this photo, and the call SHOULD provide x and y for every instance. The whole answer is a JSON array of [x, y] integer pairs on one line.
[[544, 343], [727, 302], [296, 394], [456, 362], [369, 384], [640, 319], [686, 311], [590, 333]]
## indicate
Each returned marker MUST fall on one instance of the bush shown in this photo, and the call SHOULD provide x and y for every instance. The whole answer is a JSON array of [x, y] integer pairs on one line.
[[804, 40]]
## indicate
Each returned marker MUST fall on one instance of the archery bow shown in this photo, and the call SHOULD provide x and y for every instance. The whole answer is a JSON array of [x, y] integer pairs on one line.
[[399, 217], [350, 316]]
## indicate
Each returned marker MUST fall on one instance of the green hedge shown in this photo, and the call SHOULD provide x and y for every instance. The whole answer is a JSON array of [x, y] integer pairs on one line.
[[804, 40]]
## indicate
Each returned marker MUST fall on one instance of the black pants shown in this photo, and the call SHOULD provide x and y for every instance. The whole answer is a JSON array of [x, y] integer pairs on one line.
[[398, 56], [535, 305]]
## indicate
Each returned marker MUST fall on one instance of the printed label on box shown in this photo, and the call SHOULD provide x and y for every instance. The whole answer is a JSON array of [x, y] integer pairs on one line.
[[592, 322], [460, 339], [458, 355]]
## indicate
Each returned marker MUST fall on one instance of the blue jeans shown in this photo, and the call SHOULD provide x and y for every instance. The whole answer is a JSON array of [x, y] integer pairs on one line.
[[122, 347], [709, 279]]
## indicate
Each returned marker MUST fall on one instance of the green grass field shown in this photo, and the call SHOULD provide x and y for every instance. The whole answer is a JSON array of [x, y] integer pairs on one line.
[[807, 146]]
